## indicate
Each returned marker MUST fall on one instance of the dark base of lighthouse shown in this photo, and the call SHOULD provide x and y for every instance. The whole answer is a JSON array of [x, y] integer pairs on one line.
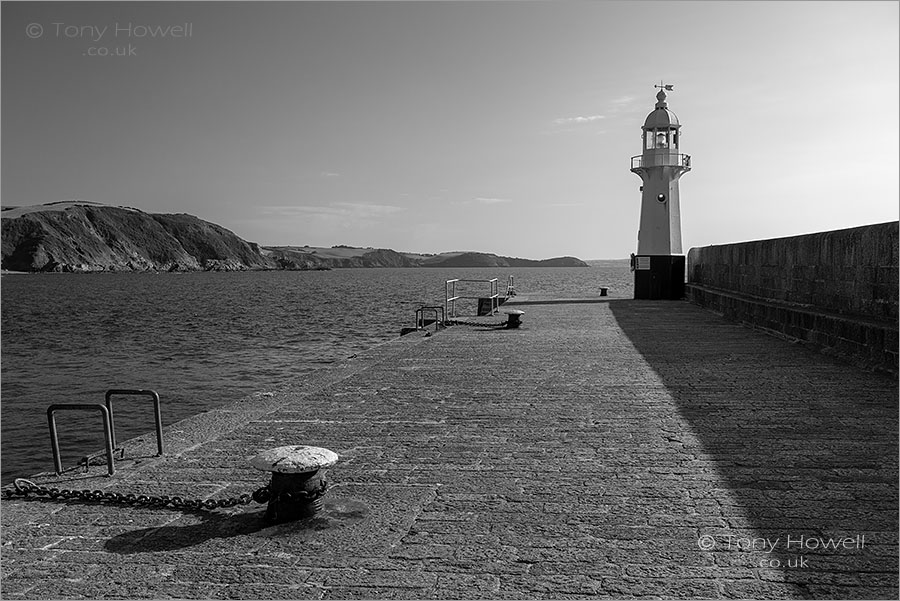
[[659, 277]]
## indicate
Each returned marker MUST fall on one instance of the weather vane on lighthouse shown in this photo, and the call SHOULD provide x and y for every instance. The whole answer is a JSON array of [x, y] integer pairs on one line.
[[659, 263]]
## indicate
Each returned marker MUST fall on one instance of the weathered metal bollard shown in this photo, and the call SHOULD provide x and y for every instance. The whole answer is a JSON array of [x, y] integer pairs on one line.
[[298, 480], [515, 318]]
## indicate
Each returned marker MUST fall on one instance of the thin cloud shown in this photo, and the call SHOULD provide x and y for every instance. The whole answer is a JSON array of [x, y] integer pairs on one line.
[[491, 201], [622, 100], [484, 200], [588, 119], [370, 209], [291, 211], [626, 105], [345, 209], [329, 174]]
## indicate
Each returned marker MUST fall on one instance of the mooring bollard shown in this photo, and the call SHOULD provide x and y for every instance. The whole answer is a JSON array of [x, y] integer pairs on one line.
[[298, 480], [515, 318]]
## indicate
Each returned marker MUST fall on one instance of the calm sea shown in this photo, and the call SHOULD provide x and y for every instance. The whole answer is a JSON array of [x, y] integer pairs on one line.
[[203, 340]]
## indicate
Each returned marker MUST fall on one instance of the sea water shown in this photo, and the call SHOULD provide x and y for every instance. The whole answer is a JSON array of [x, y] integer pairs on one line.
[[204, 340]]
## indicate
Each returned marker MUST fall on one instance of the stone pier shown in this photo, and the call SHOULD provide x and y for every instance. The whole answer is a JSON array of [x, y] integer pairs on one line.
[[602, 450]]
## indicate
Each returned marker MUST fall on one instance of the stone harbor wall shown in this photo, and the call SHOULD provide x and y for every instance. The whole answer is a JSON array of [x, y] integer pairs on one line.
[[837, 290]]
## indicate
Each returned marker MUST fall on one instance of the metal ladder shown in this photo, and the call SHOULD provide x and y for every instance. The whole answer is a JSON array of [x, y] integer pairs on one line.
[[109, 428]]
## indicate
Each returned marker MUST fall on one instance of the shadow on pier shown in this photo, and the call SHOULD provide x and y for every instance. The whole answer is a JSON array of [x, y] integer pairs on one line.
[[807, 444], [212, 530]]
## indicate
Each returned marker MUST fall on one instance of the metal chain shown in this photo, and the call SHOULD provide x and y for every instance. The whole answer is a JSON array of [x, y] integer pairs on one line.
[[306, 496], [263, 494], [479, 324]]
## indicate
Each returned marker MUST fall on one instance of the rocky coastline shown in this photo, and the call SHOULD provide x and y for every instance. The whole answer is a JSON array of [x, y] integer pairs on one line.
[[87, 237]]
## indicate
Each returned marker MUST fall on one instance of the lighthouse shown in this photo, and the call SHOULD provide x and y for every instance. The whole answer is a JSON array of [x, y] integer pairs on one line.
[[658, 264]]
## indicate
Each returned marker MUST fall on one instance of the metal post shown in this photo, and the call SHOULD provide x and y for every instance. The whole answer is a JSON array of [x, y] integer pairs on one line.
[[156, 411], [107, 432], [450, 297], [495, 296]]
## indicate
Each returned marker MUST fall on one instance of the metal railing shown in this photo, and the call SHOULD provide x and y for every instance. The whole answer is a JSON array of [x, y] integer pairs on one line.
[[421, 324], [107, 432], [156, 413], [451, 295], [662, 160], [510, 287], [109, 428]]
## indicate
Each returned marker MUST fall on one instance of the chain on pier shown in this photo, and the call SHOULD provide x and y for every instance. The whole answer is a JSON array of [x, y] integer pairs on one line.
[[477, 324], [24, 488]]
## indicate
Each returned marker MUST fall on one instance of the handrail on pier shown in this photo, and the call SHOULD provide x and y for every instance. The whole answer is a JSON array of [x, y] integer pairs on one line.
[[156, 412], [107, 432], [109, 428], [451, 295], [421, 324]]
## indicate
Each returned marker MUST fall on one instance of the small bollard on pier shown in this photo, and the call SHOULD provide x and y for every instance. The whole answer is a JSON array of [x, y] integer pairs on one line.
[[514, 319], [298, 480]]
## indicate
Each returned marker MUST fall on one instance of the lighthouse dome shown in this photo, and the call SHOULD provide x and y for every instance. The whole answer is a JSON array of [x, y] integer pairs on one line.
[[662, 117]]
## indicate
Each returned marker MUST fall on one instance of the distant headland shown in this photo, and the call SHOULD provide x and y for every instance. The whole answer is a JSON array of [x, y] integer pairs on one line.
[[88, 237]]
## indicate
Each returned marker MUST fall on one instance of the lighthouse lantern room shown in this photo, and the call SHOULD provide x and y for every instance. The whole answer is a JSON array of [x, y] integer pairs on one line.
[[659, 263]]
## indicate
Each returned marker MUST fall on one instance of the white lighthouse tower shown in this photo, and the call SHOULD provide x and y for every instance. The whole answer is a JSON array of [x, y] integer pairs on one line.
[[659, 263]]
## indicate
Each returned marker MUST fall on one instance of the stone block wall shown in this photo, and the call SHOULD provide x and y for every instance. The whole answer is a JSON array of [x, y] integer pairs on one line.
[[836, 290]]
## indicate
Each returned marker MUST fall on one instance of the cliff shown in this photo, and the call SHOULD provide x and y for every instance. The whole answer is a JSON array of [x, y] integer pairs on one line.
[[292, 257], [85, 237], [80, 236]]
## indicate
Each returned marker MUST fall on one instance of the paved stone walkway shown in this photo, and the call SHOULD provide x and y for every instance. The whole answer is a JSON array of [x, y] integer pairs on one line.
[[607, 450]]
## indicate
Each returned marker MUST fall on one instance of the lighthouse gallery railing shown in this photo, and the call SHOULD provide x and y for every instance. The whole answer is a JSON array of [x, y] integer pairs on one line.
[[662, 160]]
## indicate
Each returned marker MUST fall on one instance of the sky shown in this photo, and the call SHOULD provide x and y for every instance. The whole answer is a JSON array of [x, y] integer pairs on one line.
[[503, 127]]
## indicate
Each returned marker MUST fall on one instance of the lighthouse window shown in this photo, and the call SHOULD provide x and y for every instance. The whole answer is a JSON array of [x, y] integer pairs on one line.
[[675, 139], [649, 140], [661, 141]]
